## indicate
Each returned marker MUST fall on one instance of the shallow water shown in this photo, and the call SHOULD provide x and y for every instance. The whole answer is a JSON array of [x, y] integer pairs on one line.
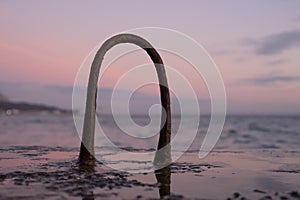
[[256, 157]]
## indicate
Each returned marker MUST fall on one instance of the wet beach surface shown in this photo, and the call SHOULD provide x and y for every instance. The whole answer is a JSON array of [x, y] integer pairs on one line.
[[38, 172]]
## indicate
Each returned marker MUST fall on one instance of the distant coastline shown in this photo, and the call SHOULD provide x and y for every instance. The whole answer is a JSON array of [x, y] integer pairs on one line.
[[9, 108]]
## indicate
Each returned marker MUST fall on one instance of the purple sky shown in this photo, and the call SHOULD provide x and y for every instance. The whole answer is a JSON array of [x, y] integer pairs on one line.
[[256, 45]]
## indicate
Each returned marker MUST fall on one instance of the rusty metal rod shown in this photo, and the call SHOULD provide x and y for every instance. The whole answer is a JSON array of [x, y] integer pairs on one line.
[[86, 155]]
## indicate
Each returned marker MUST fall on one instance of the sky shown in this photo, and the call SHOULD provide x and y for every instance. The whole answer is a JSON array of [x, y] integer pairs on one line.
[[255, 44]]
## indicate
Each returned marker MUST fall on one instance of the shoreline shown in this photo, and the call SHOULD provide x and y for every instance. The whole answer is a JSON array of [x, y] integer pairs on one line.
[[47, 173]]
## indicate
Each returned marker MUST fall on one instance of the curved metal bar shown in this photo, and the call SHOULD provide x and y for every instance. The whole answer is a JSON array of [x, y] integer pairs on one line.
[[86, 155]]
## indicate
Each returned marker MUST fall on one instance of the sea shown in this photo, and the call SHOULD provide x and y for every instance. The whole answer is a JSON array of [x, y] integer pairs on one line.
[[239, 131]]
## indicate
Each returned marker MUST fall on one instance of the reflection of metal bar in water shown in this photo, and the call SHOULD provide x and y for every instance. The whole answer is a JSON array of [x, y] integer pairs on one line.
[[86, 155], [89, 197], [88, 170], [163, 177]]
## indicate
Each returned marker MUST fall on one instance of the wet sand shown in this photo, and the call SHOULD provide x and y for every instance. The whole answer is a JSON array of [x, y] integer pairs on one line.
[[53, 173]]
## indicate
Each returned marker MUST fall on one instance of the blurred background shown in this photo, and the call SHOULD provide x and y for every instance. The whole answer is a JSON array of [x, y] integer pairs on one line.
[[255, 44]]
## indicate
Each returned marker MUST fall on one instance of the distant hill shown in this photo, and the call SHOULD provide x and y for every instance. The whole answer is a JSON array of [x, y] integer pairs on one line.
[[16, 107], [28, 107]]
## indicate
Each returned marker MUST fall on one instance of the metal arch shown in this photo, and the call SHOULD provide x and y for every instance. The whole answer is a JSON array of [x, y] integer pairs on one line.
[[86, 155]]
